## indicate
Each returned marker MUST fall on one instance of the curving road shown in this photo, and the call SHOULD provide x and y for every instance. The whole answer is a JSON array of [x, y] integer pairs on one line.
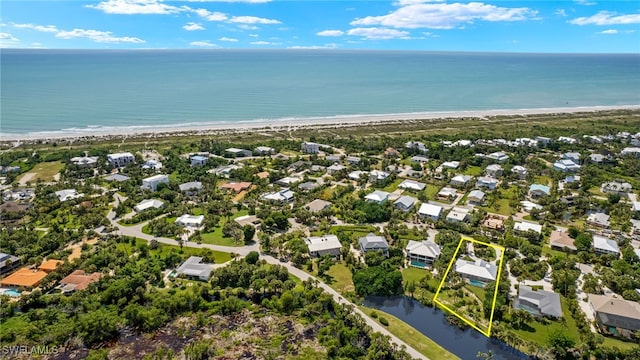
[[136, 231]]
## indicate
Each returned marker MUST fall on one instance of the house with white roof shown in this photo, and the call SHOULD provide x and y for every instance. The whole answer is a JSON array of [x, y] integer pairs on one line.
[[630, 151], [458, 215], [198, 160], [460, 180], [599, 219], [416, 145], [567, 140], [539, 190], [524, 227], [605, 246], [282, 197], [635, 206], [493, 170], [152, 164], [477, 273], [538, 303], [372, 242], [190, 221], [264, 150], [476, 197], [528, 205], [616, 187], [68, 194], [353, 160], [193, 268], [324, 245], [422, 254], [335, 168], [152, 182], [148, 204], [121, 159], [412, 185], [378, 176], [499, 156], [521, 171], [450, 164], [378, 197], [447, 193], [224, 170], [191, 188], [405, 203], [419, 159], [358, 175], [486, 182], [235, 152], [566, 165], [310, 148], [430, 211], [573, 156], [117, 178], [289, 180], [85, 161]]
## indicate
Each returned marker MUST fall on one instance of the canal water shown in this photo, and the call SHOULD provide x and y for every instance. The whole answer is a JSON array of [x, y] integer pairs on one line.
[[432, 323]]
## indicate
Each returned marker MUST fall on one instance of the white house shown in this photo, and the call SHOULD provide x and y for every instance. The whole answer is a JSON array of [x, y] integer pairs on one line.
[[406, 203], [419, 159], [523, 227], [460, 180], [193, 268], [235, 152], [152, 182], [373, 242], [68, 194], [377, 176], [85, 161], [499, 156], [599, 219], [478, 272], [573, 156], [521, 171], [283, 196], [264, 150], [604, 246], [422, 254], [493, 170], [324, 245], [190, 221], [198, 160], [450, 164], [487, 182], [630, 151], [358, 175], [191, 188], [148, 204], [430, 211], [310, 148], [152, 164], [458, 215], [417, 145], [335, 168], [566, 165], [412, 185], [120, 159], [378, 197]]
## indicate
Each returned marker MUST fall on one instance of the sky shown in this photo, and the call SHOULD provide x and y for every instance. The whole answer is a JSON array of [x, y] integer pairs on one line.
[[577, 26]]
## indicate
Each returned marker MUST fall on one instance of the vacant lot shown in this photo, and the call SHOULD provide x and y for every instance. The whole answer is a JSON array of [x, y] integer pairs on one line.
[[44, 171]]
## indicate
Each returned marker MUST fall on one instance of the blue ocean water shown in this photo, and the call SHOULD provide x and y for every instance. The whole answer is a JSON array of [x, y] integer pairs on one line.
[[81, 90]]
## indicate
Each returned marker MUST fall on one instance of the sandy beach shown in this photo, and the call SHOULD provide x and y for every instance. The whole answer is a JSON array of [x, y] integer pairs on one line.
[[337, 121]]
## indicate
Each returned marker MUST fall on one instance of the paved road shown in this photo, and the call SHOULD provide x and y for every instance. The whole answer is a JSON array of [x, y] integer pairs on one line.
[[136, 231]]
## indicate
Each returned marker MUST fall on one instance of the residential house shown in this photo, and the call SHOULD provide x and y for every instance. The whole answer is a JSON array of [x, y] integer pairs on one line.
[[544, 141], [493, 170], [493, 222], [308, 186], [486, 182], [499, 156], [614, 315], [77, 281], [616, 187], [324, 245], [372, 242], [190, 221], [477, 273], [236, 186], [598, 158], [416, 145], [422, 254], [412, 185], [298, 165], [605, 246], [567, 140], [280, 156], [561, 240], [635, 227], [538, 303], [191, 188], [225, 170], [193, 268], [310, 148], [235, 152], [353, 160], [198, 160], [148, 204], [599, 219], [635, 206], [538, 190], [630, 151], [152, 164], [118, 160], [430, 211], [318, 168], [335, 168], [248, 220], [264, 150], [333, 158], [378, 177], [569, 200], [85, 161], [358, 175], [289, 180], [414, 174], [378, 197], [450, 164], [405, 203], [460, 181], [524, 227], [8, 263], [24, 278], [476, 197], [317, 205], [573, 156], [447, 193], [520, 171], [152, 182], [117, 178], [458, 215], [566, 165], [68, 194], [391, 153], [419, 159], [282, 197]]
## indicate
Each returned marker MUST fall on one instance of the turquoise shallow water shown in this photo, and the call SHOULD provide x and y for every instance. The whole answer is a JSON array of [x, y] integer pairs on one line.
[[81, 90]]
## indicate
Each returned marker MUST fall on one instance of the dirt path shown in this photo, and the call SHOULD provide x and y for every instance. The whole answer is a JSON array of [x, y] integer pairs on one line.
[[26, 178]]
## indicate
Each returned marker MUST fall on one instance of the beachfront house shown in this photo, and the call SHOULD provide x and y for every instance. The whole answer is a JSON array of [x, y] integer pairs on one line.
[[118, 160], [194, 269], [430, 211], [190, 221], [422, 254], [605, 246], [152, 182], [324, 245], [477, 273], [615, 316], [148, 204], [85, 161], [378, 197], [310, 147], [405, 203], [538, 303], [372, 242]]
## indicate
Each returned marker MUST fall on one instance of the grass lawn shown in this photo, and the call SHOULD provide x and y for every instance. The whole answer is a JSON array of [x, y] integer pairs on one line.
[[431, 191], [164, 249], [411, 336], [549, 252], [342, 281], [539, 333], [473, 171], [44, 171], [393, 186], [596, 191], [216, 238], [543, 180], [415, 275], [622, 345], [479, 292], [500, 206]]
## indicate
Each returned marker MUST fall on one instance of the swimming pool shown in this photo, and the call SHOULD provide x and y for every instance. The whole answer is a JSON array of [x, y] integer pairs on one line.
[[10, 292], [477, 283]]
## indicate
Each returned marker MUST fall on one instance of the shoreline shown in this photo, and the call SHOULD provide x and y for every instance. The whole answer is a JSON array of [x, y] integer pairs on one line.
[[291, 123]]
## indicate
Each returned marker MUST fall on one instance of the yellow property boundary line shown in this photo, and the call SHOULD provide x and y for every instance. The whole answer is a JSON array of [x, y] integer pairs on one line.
[[486, 333]]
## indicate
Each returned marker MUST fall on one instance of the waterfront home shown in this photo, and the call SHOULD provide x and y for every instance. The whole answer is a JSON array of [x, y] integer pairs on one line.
[[8, 263], [282, 197], [458, 215], [493, 170], [85, 161], [538, 303], [372, 242], [429, 211], [422, 254], [412, 185], [561, 240], [447, 193], [599, 219], [235, 152], [605, 246], [378, 197], [405, 203], [521, 171], [68, 194], [310, 147], [460, 180], [148, 204], [538, 190], [615, 316], [190, 221], [118, 160], [324, 245], [191, 188], [152, 182], [477, 273], [193, 268], [566, 165], [77, 281], [476, 197], [378, 177], [317, 205], [616, 187], [487, 182], [264, 150], [198, 160]]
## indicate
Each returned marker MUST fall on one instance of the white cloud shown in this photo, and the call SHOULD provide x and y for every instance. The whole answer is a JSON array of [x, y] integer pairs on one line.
[[230, 1], [130, 7], [193, 26], [607, 18], [313, 47], [97, 36], [330, 33], [265, 43], [585, 2], [247, 27], [254, 35], [8, 40], [444, 15], [224, 38], [560, 12], [204, 43], [253, 20], [378, 33], [209, 15], [609, 32], [48, 28]]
